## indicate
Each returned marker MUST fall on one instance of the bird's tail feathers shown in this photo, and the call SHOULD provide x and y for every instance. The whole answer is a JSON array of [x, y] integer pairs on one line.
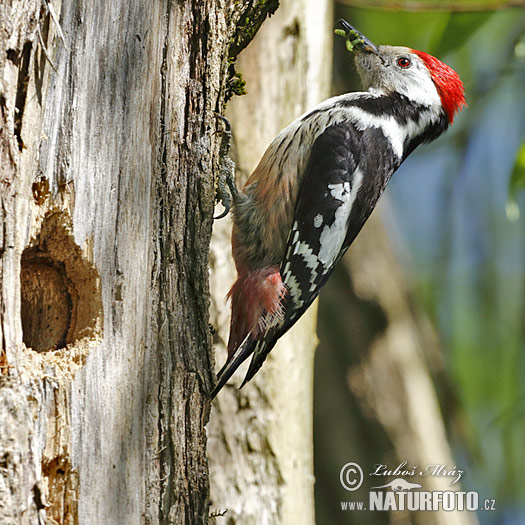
[[242, 353], [260, 351]]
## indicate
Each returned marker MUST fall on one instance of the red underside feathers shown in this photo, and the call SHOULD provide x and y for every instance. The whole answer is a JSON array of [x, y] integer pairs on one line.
[[256, 304]]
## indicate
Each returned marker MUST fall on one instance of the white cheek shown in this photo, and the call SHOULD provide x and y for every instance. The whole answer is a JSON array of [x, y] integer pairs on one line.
[[421, 89]]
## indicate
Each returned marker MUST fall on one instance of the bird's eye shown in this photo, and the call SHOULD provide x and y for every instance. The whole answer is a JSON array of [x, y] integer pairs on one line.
[[403, 62]]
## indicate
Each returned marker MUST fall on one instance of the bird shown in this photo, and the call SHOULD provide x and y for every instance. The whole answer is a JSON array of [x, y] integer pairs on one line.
[[318, 182]]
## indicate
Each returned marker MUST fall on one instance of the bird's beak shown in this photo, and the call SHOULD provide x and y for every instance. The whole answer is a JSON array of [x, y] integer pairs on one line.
[[355, 39]]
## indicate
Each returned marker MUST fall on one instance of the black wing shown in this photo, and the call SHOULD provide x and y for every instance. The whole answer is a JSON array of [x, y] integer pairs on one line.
[[319, 229]]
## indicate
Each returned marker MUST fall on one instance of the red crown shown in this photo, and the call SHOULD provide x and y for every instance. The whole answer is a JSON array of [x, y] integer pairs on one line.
[[448, 84]]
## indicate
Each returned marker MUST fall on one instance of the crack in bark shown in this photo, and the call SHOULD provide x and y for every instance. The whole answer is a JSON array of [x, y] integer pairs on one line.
[[21, 90]]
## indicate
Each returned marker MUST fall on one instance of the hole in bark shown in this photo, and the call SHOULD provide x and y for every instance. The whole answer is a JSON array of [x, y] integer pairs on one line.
[[40, 189], [62, 490], [4, 366], [4, 461], [46, 302], [12, 56], [61, 301]]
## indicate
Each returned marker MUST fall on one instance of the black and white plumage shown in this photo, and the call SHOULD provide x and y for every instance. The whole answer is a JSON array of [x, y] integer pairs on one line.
[[317, 184]]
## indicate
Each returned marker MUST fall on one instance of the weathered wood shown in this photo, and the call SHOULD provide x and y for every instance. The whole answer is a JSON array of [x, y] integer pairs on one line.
[[107, 153], [260, 438]]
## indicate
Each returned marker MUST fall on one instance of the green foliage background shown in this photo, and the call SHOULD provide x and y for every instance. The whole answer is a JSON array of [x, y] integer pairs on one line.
[[460, 207]]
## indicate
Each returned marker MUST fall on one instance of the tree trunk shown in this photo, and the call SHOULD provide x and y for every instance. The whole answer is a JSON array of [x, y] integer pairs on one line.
[[260, 438], [107, 155]]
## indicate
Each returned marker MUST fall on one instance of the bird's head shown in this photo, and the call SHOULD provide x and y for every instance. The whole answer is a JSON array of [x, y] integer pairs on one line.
[[417, 75]]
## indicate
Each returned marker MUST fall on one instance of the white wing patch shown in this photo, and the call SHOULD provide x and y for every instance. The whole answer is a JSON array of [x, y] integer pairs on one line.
[[294, 290], [331, 239], [310, 259], [340, 190], [333, 236]]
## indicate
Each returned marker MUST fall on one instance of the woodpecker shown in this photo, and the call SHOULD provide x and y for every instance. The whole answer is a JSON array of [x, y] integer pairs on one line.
[[318, 182]]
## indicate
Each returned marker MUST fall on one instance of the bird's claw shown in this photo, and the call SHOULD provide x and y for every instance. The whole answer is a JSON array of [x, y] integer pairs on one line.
[[226, 188], [223, 196]]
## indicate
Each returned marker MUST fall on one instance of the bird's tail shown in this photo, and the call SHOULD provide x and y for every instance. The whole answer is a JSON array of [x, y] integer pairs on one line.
[[242, 353], [260, 348], [257, 298]]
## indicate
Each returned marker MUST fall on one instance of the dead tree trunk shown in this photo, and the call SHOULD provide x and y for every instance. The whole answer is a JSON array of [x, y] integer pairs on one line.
[[260, 438], [107, 156]]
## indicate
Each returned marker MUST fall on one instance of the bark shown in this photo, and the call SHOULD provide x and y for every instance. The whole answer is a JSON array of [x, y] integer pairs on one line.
[[260, 438], [107, 155]]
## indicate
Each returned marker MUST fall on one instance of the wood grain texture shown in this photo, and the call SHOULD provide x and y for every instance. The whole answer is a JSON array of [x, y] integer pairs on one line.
[[109, 132]]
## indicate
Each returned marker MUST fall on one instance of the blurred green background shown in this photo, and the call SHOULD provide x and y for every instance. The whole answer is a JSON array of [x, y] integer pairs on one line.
[[459, 207]]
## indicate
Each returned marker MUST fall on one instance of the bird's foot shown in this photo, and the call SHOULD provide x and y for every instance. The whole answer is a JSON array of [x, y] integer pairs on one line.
[[226, 188]]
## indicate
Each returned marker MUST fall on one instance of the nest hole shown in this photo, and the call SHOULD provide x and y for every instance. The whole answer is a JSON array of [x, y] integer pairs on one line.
[[60, 291]]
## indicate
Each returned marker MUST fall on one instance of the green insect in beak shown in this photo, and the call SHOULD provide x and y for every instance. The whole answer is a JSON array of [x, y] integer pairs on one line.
[[355, 38]]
